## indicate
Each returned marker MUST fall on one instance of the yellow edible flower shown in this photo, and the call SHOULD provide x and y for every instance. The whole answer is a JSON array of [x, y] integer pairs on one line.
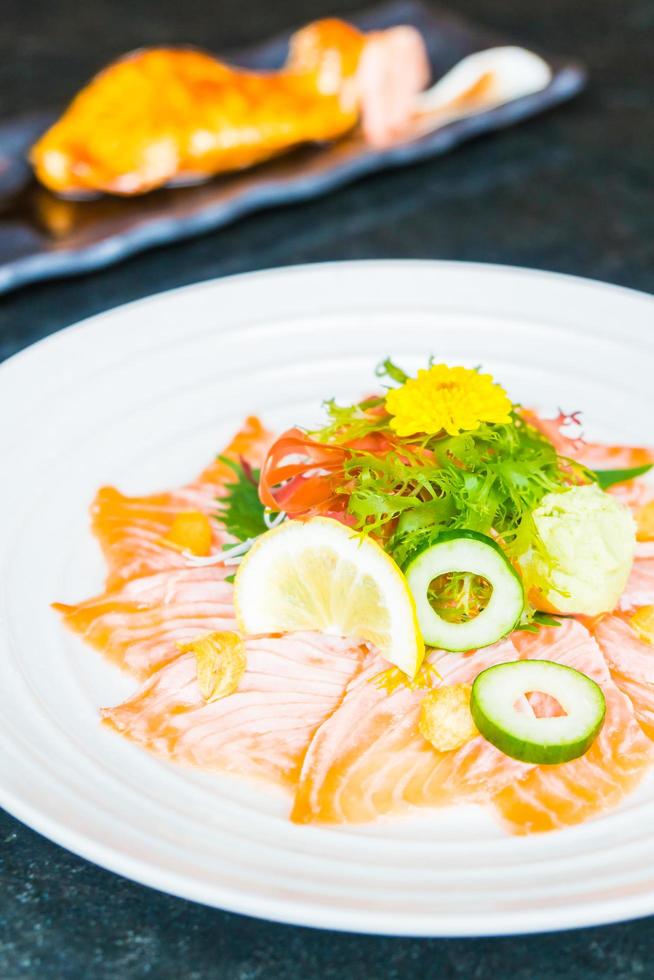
[[445, 718], [450, 399], [221, 663]]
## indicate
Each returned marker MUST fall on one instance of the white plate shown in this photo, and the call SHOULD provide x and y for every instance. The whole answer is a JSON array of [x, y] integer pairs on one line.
[[143, 396]]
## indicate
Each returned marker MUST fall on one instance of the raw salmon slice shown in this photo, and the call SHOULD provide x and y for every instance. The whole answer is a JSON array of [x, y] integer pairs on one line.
[[130, 529], [600, 456], [291, 684], [595, 455], [138, 625], [369, 759], [631, 662], [639, 590], [636, 493], [551, 797]]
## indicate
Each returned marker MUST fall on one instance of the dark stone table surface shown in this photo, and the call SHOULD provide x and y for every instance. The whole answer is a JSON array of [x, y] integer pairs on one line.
[[571, 191]]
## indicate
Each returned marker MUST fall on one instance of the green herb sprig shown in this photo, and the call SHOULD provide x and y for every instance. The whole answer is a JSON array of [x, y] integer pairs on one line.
[[240, 511]]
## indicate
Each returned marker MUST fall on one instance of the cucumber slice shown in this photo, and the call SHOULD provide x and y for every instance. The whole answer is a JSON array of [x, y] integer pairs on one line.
[[466, 551], [543, 741]]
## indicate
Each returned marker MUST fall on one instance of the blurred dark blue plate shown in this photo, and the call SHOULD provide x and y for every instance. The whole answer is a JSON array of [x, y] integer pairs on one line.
[[42, 236]]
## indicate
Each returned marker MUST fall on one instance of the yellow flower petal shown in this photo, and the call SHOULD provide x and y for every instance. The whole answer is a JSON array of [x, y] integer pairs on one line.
[[393, 678], [446, 399]]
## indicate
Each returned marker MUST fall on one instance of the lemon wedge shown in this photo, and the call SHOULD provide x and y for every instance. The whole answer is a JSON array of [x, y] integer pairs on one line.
[[321, 575]]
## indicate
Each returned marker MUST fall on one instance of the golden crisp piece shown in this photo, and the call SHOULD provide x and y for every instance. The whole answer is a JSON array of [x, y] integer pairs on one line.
[[445, 718], [221, 661], [164, 116], [643, 622], [645, 522]]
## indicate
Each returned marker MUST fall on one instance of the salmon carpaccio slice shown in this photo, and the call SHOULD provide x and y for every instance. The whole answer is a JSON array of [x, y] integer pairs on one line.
[[139, 624], [153, 599], [291, 684], [631, 662], [552, 797], [369, 758], [595, 455], [636, 493], [130, 529], [639, 590]]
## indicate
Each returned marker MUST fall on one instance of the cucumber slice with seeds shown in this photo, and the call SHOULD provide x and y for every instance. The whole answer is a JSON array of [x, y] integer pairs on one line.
[[466, 551], [542, 741]]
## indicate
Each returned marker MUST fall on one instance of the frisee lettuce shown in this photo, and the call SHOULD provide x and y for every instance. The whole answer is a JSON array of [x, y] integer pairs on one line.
[[459, 596], [387, 369], [348, 422], [487, 480], [533, 620]]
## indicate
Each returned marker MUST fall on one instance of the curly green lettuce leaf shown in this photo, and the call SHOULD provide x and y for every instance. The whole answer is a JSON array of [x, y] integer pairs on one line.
[[388, 369], [348, 423], [487, 480]]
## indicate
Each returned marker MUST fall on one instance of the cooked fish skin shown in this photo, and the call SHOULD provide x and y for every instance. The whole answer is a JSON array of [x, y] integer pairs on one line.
[[162, 116]]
